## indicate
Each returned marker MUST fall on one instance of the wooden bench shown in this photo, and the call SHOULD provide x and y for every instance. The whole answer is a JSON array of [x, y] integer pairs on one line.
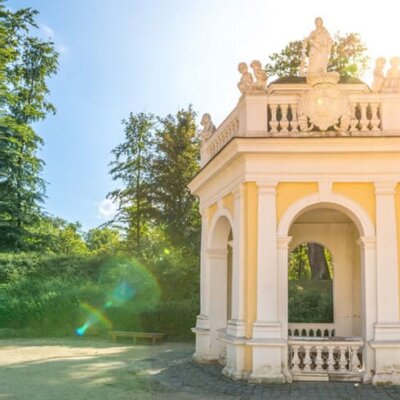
[[135, 335]]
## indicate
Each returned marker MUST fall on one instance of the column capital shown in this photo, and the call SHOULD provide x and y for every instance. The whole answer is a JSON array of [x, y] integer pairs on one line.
[[367, 242], [203, 212], [283, 242], [385, 188], [238, 191], [266, 187], [217, 253]]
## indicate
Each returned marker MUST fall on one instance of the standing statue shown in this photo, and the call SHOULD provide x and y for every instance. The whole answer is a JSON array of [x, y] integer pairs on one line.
[[246, 81], [320, 46], [260, 75], [379, 77], [208, 127]]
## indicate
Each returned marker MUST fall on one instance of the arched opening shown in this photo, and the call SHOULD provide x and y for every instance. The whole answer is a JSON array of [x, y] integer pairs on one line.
[[325, 255], [310, 274], [220, 256]]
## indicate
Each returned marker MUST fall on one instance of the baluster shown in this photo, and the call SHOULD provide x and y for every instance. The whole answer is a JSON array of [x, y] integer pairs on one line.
[[354, 359], [375, 121], [307, 359], [364, 122], [294, 123], [318, 359], [274, 122], [330, 361], [342, 358], [284, 123], [353, 118], [295, 359]]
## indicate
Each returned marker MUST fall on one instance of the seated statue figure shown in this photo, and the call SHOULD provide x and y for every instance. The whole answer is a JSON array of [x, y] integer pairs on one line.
[[392, 81], [246, 81], [208, 127], [260, 75], [379, 77]]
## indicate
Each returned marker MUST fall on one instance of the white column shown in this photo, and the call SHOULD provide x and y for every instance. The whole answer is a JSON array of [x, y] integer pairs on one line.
[[204, 268], [283, 258], [267, 257], [386, 247], [235, 340], [202, 330], [236, 324], [368, 301], [386, 341], [268, 343]]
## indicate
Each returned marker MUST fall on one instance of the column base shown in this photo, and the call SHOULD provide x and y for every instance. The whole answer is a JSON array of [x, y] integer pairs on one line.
[[387, 354], [235, 356], [204, 353], [268, 362], [267, 330], [236, 328], [265, 377]]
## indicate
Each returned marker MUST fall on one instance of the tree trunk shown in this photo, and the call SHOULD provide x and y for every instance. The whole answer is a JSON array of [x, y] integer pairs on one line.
[[318, 264]]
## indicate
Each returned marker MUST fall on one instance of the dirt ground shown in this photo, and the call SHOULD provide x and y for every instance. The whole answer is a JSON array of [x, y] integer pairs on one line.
[[84, 368]]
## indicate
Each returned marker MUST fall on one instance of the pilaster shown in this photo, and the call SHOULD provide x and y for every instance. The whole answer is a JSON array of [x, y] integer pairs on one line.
[[387, 328]]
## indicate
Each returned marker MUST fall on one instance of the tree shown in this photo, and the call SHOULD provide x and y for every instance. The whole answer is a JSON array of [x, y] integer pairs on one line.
[[103, 240], [29, 62], [318, 262], [55, 235], [132, 167], [348, 58], [176, 163]]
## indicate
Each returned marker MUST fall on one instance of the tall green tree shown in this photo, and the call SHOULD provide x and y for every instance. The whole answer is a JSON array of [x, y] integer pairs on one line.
[[175, 165], [348, 58], [29, 62], [132, 167], [103, 240]]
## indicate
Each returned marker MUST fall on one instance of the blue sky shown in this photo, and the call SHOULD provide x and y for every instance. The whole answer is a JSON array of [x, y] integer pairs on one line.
[[157, 56]]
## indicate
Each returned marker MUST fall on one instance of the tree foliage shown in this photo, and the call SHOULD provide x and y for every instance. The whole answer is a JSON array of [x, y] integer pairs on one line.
[[29, 62], [132, 167], [175, 165], [348, 58], [154, 164]]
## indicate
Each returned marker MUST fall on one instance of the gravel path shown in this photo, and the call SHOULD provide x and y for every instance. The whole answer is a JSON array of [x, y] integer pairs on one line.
[[84, 368]]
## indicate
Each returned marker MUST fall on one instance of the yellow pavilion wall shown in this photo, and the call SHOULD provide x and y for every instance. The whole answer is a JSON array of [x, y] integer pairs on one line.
[[397, 199], [288, 193]]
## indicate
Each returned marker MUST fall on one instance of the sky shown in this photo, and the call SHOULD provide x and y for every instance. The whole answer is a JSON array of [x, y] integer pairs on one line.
[[159, 56]]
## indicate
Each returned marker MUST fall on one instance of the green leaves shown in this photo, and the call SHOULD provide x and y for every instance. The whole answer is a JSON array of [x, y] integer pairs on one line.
[[154, 164], [26, 64]]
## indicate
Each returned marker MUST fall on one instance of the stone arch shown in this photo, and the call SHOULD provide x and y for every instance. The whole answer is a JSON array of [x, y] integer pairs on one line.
[[219, 264], [341, 203], [366, 230], [220, 226]]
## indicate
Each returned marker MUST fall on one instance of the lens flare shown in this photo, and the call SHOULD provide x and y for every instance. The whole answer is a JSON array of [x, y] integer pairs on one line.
[[123, 280], [95, 316]]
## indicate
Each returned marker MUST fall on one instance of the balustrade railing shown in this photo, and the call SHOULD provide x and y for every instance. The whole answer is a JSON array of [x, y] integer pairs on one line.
[[284, 118], [221, 137], [319, 357], [311, 330], [363, 117]]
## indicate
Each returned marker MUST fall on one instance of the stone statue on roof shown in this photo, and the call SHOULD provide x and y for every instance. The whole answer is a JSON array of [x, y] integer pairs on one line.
[[379, 76], [246, 81], [320, 45], [208, 127]]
